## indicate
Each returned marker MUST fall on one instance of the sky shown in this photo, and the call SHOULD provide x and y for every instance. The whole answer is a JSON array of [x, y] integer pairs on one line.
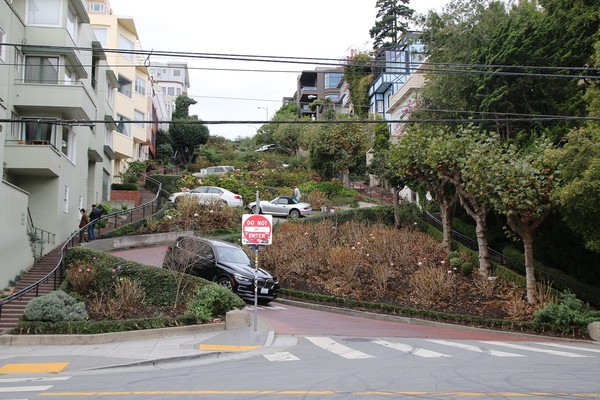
[[308, 29]]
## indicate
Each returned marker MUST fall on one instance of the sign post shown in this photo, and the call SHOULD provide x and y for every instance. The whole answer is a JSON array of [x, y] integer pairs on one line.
[[256, 231]]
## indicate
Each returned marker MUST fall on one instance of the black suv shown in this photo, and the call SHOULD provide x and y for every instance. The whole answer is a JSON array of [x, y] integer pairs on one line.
[[224, 263]]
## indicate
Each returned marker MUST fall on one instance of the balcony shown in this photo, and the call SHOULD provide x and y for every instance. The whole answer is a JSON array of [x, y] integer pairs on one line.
[[32, 157], [71, 100]]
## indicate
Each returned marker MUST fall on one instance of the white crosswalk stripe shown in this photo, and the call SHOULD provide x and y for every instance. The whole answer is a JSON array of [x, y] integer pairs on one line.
[[564, 346], [488, 349], [337, 348], [31, 388], [469, 347], [409, 349], [281, 356], [535, 349]]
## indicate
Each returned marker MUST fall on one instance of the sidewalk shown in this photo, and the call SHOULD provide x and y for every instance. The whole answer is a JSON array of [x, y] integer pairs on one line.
[[136, 348]]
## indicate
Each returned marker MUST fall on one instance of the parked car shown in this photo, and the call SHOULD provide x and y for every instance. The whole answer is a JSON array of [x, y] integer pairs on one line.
[[283, 206], [222, 262], [211, 195], [267, 147], [218, 170]]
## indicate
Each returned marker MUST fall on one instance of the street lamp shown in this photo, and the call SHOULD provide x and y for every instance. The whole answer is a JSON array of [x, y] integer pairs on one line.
[[266, 111]]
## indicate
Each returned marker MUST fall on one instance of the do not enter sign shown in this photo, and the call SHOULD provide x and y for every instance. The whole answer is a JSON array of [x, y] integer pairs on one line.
[[256, 229]]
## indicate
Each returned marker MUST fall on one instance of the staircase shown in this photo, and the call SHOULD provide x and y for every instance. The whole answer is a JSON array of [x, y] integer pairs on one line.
[[11, 312]]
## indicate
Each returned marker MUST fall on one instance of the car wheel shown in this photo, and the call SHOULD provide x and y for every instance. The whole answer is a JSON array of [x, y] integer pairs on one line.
[[225, 281], [254, 210], [294, 214], [221, 203]]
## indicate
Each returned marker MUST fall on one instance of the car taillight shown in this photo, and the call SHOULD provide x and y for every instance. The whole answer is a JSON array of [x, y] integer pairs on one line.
[[237, 197]]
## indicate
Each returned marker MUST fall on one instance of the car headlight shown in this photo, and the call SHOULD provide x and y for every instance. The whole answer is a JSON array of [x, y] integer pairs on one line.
[[242, 278]]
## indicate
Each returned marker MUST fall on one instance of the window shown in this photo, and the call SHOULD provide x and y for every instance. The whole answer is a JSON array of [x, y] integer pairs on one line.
[[127, 45], [123, 126], [176, 72], [178, 91], [138, 116], [66, 200], [14, 126], [38, 132], [100, 33], [171, 91], [140, 85], [110, 95], [97, 7], [108, 137], [2, 48], [44, 12], [41, 69], [124, 86], [332, 80], [72, 24], [68, 143]]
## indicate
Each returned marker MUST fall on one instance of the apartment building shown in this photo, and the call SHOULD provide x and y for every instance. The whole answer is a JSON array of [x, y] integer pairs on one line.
[[168, 80], [322, 83], [133, 138], [56, 107]]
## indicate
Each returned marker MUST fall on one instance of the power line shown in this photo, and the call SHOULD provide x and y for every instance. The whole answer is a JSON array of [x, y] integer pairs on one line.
[[407, 67], [75, 122]]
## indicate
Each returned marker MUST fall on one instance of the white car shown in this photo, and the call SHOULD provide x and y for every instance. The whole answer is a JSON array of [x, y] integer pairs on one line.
[[283, 206], [211, 195], [218, 170]]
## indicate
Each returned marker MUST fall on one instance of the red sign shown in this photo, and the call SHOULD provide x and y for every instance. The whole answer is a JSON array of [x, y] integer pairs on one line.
[[256, 229]]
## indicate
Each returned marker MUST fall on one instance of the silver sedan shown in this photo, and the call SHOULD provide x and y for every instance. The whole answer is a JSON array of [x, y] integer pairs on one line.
[[283, 206]]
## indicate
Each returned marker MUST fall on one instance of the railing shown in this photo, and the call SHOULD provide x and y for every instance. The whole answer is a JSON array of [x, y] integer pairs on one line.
[[38, 237], [57, 274], [584, 292]]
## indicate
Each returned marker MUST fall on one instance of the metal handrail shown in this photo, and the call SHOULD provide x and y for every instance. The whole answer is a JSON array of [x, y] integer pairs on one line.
[[57, 272], [586, 292]]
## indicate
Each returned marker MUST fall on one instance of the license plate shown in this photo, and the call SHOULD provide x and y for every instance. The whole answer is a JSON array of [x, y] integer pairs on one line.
[[264, 290]]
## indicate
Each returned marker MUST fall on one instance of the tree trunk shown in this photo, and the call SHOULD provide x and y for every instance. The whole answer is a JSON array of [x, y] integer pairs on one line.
[[529, 268], [396, 200], [447, 214], [482, 246], [346, 178]]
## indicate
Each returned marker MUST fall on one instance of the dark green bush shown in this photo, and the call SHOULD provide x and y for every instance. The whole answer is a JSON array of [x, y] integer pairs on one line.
[[569, 311], [212, 301], [54, 307]]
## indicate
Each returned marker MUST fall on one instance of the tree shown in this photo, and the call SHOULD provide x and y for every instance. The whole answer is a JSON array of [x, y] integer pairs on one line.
[[578, 197], [287, 135], [525, 185], [336, 148], [358, 76], [180, 265], [186, 130], [409, 159], [392, 22]]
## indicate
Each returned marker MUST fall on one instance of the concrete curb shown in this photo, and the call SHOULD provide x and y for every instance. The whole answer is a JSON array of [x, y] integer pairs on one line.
[[234, 320]]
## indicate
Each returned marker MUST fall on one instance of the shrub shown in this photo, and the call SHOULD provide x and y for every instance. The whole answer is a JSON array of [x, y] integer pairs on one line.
[[54, 307], [213, 301], [81, 275], [432, 285], [569, 311]]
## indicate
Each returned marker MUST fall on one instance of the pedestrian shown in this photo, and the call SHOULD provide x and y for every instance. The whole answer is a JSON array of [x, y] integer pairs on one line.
[[297, 194], [82, 223], [95, 215]]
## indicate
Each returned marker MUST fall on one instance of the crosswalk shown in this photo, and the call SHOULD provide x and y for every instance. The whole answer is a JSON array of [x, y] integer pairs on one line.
[[27, 385], [434, 349]]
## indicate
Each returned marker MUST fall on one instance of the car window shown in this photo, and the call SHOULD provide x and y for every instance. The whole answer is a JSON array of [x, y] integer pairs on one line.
[[282, 200], [232, 254], [215, 190]]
